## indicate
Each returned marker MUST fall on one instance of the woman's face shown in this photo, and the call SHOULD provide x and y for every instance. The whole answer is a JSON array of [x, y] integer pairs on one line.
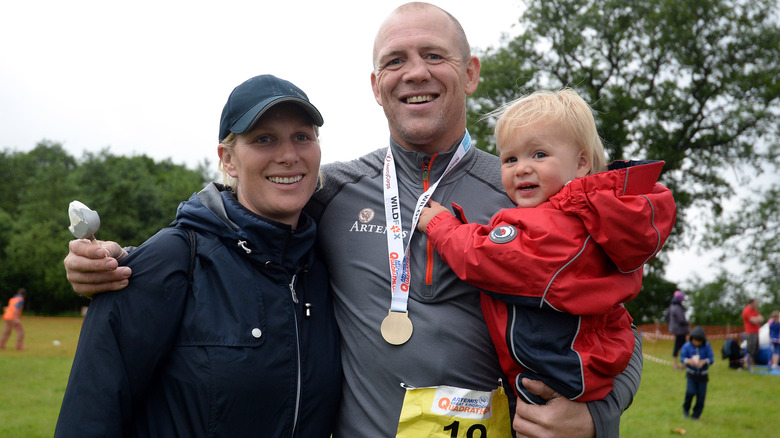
[[276, 163]]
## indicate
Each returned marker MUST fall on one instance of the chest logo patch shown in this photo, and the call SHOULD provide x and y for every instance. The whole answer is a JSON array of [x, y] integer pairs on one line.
[[366, 215], [503, 234]]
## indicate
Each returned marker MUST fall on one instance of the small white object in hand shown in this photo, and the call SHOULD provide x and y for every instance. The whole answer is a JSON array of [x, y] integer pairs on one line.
[[84, 222]]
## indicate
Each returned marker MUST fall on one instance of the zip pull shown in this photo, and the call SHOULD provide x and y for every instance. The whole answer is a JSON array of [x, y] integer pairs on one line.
[[426, 172], [307, 309], [242, 244], [292, 289]]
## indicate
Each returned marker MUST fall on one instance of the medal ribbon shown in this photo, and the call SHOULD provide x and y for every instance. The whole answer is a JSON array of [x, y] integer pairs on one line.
[[398, 256]]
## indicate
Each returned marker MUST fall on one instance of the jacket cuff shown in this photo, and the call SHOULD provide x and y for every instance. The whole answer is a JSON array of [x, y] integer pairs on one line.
[[444, 218]]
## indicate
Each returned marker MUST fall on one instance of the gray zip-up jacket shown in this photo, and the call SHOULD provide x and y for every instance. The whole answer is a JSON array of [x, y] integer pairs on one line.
[[450, 344]]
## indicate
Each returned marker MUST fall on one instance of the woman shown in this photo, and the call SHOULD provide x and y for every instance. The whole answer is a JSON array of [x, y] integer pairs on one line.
[[248, 345], [678, 325]]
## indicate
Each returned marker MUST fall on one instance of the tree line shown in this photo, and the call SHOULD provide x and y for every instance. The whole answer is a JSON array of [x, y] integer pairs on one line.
[[134, 196], [693, 83]]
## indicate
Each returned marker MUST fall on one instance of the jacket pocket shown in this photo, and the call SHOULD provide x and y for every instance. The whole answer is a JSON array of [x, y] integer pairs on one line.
[[223, 309]]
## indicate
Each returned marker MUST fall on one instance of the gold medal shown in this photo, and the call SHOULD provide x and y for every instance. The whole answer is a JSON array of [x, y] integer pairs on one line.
[[396, 327]]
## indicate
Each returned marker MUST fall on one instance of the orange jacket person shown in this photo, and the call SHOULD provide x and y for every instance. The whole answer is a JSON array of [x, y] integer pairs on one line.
[[13, 319]]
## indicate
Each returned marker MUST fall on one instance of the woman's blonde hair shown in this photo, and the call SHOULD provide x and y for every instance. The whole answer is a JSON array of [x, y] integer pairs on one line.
[[230, 143], [564, 108]]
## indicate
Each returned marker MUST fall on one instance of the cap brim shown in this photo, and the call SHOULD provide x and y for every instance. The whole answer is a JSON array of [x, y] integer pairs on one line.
[[250, 117]]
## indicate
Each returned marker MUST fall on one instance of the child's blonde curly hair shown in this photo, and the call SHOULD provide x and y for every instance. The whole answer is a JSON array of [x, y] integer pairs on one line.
[[564, 108]]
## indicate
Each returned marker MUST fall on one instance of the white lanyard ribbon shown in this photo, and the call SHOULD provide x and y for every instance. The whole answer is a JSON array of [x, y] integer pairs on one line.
[[398, 256]]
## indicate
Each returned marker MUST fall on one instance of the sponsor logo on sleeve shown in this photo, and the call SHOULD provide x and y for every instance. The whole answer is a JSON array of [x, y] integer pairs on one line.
[[503, 234]]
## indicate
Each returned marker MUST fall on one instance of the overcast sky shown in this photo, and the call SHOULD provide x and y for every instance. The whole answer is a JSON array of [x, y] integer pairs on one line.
[[151, 77]]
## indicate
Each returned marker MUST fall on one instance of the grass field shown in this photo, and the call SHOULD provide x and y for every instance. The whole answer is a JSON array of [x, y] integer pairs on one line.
[[33, 381], [739, 404]]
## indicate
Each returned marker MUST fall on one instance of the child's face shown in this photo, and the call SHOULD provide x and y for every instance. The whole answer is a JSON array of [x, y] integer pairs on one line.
[[696, 342], [538, 160]]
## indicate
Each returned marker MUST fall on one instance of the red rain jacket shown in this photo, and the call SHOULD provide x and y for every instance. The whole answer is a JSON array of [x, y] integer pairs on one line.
[[555, 276]]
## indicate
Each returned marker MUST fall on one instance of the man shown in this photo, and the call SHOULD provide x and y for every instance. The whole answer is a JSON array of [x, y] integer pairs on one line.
[[13, 319], [752, 321], [423, 71]]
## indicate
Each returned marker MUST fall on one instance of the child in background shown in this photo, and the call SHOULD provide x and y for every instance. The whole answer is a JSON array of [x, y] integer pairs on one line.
[[556, 269], [697, 357], [774, 338]]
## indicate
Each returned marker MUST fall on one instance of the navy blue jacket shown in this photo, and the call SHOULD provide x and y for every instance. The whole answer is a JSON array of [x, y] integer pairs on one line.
[[251, 350]]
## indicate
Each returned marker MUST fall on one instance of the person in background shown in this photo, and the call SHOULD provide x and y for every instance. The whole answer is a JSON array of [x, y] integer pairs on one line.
[[557, 269], [774, 339], [752, 320], [13, 319], [226, 328], [678, 325], [423, 71], [697, 356]]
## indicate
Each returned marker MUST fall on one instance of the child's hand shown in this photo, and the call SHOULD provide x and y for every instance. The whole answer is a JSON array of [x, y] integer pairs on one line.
[[429, 213]]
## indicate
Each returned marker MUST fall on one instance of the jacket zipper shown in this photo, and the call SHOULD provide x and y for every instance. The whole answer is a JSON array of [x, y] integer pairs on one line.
[[298, 357], [428, 246], [292, 290], [294, 296]]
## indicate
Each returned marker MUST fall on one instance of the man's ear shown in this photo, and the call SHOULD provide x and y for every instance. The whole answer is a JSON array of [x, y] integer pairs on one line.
[[375, 88], [472, 75]]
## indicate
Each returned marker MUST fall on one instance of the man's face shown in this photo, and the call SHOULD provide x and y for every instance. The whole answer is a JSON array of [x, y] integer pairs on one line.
[[421, 79]]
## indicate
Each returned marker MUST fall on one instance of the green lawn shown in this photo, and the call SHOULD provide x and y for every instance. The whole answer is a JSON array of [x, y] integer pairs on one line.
[[738, 403], [33, 381]]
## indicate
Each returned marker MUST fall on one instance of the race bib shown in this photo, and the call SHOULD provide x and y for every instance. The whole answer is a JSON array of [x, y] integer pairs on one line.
[[450, 412]]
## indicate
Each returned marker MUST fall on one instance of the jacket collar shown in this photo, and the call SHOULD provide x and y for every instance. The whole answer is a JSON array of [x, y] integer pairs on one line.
[[215, 210], [409, 164]]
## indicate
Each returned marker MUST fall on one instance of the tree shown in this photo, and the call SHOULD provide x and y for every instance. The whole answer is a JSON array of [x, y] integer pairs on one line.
[[751, 235], [716, 303], [32, 248], [656, 294], [694, 83], [134, 196]]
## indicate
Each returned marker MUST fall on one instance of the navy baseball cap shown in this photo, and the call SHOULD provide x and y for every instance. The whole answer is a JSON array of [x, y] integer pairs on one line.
[[250, 100]]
